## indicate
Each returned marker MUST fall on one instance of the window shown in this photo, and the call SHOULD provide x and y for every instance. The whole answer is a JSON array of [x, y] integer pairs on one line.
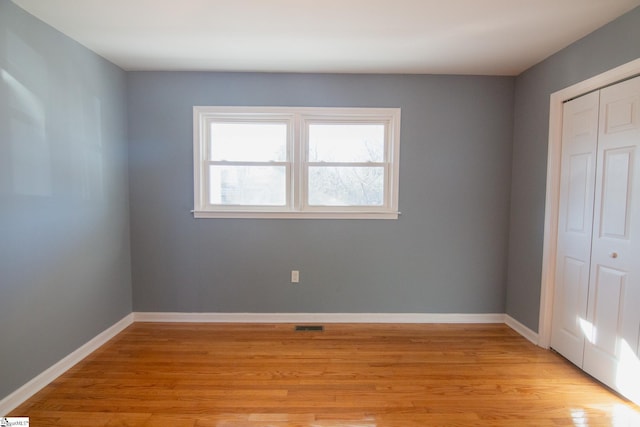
[[275, 162]]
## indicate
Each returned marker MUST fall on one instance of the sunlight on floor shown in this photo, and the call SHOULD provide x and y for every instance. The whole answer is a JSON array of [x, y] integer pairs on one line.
[[624, 416], [579, 418], [619, 415]]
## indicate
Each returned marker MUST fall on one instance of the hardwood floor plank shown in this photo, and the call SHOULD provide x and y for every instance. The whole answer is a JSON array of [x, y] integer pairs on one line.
[[359, 375]]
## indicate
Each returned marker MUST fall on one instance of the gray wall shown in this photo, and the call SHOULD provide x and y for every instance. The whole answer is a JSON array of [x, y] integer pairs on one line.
[[64, 238], [606, 48], [446, 253]]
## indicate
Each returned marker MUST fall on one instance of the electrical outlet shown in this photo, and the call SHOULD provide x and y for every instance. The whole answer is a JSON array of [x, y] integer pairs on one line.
[[295, 276]]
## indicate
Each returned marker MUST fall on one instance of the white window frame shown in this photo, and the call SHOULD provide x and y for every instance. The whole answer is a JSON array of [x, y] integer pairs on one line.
[[297, 163]]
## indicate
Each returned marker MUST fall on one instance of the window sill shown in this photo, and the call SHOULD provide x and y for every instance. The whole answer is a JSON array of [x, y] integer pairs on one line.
[[295, 215]]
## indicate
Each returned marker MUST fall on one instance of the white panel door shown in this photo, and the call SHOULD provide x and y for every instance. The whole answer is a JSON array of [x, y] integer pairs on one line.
[[575, 223], [613, 314]]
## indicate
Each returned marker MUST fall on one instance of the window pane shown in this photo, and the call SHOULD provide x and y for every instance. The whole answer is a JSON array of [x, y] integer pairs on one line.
[[249, 142], [346, 143], [247, 185], [346, 186]]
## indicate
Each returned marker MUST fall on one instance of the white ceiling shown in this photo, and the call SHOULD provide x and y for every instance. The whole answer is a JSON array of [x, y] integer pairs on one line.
[[491, 37]]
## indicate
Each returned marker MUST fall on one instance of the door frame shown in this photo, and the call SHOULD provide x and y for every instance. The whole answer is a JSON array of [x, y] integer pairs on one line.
[[552, 201]]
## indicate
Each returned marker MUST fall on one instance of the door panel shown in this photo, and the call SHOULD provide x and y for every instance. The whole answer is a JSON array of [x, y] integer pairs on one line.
[[608, 293], [574, 273], [620, 114], [575, 225], [616, 175], [580, 175]]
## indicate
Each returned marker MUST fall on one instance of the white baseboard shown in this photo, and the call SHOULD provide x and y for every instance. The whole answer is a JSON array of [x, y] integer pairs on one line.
[[319, 317], [521, 329], [39, 382]]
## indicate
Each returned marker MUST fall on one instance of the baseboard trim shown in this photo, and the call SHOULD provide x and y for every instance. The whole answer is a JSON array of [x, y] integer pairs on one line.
[[319, 317], [19, 396], [521, 329]]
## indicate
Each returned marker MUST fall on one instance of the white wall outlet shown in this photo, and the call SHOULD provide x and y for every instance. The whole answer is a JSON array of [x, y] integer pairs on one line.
[[295, 276]]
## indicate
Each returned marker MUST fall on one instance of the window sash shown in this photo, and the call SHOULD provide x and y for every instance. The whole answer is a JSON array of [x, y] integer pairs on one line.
[[308, 123], [314, 207], [229, 206], [337, 119], [206, 144]]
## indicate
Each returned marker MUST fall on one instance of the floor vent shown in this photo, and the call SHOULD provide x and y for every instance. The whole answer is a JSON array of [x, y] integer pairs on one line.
[[317, 328]]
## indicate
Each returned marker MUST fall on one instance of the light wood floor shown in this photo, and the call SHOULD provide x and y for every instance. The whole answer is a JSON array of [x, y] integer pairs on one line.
[[232, 375]]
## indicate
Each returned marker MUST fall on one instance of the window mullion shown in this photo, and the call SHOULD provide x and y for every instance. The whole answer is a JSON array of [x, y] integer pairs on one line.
[[303, 168], [297, 149]]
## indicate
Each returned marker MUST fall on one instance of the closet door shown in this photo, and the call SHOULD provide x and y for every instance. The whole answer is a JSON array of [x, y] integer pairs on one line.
[[611, 350], [575, 222]]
